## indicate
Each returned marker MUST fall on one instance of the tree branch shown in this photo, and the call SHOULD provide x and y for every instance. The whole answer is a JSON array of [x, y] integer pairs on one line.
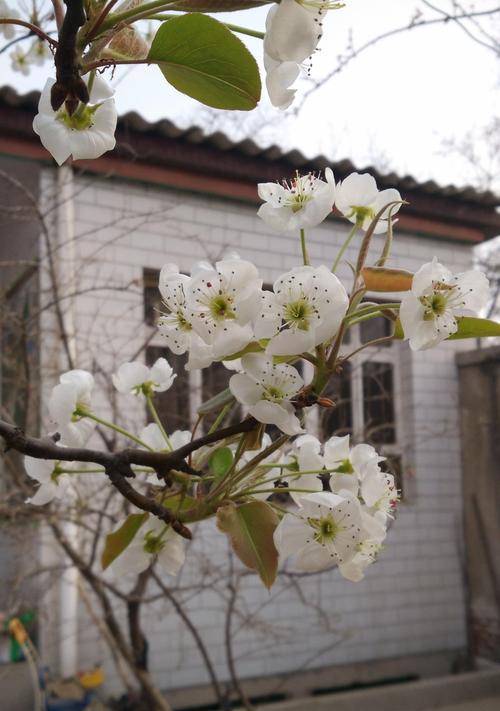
[[69, 87], [32, 28], [117, 465]]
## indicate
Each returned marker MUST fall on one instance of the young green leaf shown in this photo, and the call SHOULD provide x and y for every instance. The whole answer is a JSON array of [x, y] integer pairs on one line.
[[118, 540], [250, 528], [220, 462], [216, 402], [200, 57], [468, 327]]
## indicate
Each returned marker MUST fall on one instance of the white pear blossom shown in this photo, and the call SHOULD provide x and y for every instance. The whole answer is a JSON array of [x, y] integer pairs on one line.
[[20, 61], [48, 473], [8, 31], [173, 323], [223, 302], [303, 202], [373, 534], [153, 539], [153, 437], [293, 30], [359, 200], [39, 52], [326, 530], [379, 493], [267, 391], [88, 133], [306, 309], [304, 457], [348, 466], [428, 312], [138, 378], [68, 404]]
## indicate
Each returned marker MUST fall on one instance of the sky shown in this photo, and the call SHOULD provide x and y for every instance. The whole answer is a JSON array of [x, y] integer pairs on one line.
[[394, 105]]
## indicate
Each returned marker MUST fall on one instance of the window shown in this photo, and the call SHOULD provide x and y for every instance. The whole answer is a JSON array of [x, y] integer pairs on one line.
[[378, 402], [375, 328], [338, 420]]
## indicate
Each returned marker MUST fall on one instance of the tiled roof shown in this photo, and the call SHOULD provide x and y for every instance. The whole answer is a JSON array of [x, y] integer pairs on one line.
[[272, 156]]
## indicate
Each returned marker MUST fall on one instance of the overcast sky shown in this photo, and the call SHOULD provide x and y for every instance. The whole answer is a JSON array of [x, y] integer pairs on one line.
[[395, 103]]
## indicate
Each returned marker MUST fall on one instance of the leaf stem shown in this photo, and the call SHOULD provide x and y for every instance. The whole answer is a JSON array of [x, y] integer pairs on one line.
[[118, 429], [303, 245], [347, 242], [234, 28], [220, 417], [156, 418], [33, 28], [373, 309], [375, 342], [135, 13]]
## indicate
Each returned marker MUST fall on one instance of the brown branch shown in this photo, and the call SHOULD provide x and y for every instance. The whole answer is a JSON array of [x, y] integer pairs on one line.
[[117, 465], [32, 28], [161, 462], [69, 87], [137, 639]]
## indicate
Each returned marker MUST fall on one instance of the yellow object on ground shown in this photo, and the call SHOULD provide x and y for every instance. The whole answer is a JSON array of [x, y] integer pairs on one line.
[[91, 679]]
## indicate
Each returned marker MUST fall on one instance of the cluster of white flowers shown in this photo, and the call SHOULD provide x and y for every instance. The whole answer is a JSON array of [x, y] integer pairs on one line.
[[307, 200], [342, 500], [22, 60], [344, 520]]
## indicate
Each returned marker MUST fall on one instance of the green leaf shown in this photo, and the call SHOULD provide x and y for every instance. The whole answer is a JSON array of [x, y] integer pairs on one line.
[[220, 462], [250, 528], [200, 57], [118, 540], [217, 402], [468, 327], [384, 279], [252, 347], [217, 5], [177, 503]]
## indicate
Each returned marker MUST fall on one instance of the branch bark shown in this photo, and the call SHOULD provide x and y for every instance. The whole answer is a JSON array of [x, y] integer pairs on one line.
[[117, 466]]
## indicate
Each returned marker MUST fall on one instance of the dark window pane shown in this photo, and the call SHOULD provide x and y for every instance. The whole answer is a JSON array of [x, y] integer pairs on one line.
[[338, 420], [152, 297], [375, 328], [172, 405], [378, 402], [215, 379]]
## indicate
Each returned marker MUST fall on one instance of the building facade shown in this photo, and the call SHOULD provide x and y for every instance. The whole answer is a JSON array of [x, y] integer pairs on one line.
[[166, 195]]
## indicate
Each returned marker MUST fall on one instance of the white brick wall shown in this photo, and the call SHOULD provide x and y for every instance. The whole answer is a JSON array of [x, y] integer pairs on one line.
[[412, 599]]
